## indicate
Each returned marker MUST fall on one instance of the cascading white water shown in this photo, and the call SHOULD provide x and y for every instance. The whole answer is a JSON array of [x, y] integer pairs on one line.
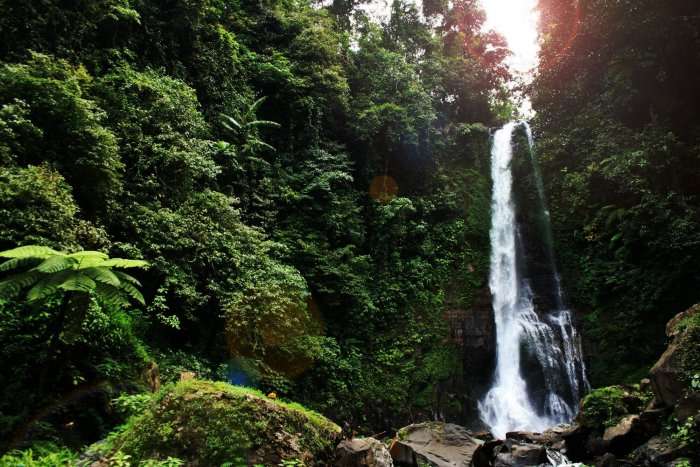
[[508, 405]]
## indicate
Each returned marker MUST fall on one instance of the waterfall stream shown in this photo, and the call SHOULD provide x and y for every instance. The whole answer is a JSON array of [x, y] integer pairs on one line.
[[547, 337]]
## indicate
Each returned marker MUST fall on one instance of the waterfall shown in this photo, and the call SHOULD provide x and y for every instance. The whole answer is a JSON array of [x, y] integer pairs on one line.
[[549, 336]]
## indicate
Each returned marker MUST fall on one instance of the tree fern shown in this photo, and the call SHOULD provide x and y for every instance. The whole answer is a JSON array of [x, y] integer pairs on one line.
[[29, 251], [51, 272]]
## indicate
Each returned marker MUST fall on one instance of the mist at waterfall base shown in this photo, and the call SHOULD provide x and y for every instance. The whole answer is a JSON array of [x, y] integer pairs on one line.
[[548, 396]]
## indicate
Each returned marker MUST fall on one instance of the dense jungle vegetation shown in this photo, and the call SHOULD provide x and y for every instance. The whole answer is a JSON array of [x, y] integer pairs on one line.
[[619, 143], [304, 184], [289, 195]]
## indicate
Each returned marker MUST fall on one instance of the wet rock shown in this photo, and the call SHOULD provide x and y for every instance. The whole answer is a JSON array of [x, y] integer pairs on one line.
[[552, 438], [688, 406], [434, 444], [631, 432], [485, 454], [667, 374], [364, 452], [607, 460], [621, 436], [658, 451], [575, 441], [514, 453]]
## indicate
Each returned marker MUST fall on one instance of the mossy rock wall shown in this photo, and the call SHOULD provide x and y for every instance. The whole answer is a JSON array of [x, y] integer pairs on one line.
[[207, 423]]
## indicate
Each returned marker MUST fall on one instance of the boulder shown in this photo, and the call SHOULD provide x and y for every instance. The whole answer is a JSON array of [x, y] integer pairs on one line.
[[362, 452], [667, 375], [514, 453], [434, 444], [624, 437], [210, 423], [688, 406], [659, 450], [551, 438], [485, 453], [607, 460], [575, 442]]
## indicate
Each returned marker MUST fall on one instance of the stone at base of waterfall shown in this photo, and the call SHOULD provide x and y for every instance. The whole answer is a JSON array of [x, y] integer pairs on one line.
[[551, 438], [623, 437], [435, 444], [632, 431], [514, 453], [667, 374], [510, 453], [362, 452], [659, 450], [607, 460], [688, 406]]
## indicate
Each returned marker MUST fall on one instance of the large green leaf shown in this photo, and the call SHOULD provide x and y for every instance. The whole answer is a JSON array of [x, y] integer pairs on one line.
[[15, 263], [29, 251], [124, 277], [78, 283], [103, 275], [124, 263], [133, 292], [89, 259], [89, 253], [48, 284], [55, 264], [12, 286], [111, 295]]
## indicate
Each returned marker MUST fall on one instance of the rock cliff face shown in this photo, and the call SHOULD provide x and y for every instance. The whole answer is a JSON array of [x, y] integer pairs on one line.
[[473, 331]]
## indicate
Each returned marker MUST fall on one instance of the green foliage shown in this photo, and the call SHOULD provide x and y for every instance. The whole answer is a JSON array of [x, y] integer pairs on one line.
[[216, 422], [619, 150], [132, 404], [686, 432], [604, 407], [126, 131], [44, 456], [51, 94], [38, 207], [51, 272]]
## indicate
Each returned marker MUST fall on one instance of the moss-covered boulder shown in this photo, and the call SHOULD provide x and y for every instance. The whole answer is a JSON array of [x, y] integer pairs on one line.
[[605, 407], [673, 375], [208, 423]]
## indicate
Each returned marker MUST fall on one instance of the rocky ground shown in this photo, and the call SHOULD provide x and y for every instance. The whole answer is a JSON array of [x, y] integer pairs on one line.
[[654, 423], [202, 423]]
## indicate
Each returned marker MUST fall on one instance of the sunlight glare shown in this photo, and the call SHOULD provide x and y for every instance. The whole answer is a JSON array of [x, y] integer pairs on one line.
[[516, 20]]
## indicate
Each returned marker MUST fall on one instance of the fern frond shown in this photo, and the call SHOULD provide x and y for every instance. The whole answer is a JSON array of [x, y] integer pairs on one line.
[[14, 263], [88, 253], [128, 278], [48, 285], [111, 295], [78, 283], [124, 263], [103, 275], [89, 259], [133, 292], [29, 251], [12, 286], [55, 264]]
